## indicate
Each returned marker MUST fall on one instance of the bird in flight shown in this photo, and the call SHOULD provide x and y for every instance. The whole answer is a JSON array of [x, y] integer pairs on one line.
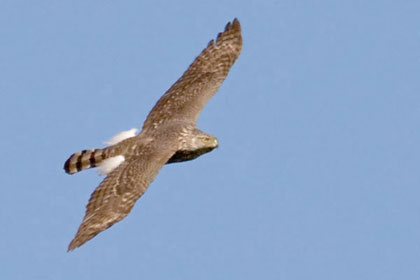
[[169, 135]]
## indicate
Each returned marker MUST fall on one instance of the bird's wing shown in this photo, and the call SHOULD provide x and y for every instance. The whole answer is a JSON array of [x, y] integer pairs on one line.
[[187, 97], [114, 198]]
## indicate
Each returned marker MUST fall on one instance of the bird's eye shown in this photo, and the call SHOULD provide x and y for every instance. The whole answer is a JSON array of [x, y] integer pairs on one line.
[[207, 139]]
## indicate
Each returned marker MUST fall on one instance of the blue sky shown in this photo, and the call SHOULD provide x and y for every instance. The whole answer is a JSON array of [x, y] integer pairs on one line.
[[317, 173]]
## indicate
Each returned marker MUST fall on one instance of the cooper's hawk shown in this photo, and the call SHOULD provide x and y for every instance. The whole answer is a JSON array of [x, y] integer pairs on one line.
[[169, 135]]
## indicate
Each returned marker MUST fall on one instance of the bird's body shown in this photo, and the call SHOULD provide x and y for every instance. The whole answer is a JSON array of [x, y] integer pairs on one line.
[[169, 135]]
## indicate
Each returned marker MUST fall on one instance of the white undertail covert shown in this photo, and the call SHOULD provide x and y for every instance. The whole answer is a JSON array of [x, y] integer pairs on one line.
[[121, 136]]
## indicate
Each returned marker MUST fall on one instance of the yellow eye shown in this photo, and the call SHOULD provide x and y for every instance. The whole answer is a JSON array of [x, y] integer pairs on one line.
[[207, 139]]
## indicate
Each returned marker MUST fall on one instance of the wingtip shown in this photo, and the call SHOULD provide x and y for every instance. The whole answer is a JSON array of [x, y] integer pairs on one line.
[[77, 242], [72, 246], [235, 24]]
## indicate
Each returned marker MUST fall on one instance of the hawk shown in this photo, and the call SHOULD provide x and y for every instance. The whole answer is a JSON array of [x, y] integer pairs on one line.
[[169, 135]]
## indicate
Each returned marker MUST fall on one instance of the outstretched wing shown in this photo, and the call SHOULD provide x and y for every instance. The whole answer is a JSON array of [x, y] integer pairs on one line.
[[187, 97], [114, 198]]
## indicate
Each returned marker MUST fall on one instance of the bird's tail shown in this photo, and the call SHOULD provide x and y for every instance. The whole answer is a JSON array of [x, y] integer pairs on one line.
[[84, 160]]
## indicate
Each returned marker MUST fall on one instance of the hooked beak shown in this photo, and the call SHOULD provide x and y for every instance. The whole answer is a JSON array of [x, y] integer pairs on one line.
[[215, 143]]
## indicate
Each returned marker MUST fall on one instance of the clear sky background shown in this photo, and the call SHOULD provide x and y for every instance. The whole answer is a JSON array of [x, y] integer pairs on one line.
[[318, 171]]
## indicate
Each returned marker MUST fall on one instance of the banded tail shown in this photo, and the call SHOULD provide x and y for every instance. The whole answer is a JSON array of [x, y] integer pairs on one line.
[[106, 159], [83, 160]]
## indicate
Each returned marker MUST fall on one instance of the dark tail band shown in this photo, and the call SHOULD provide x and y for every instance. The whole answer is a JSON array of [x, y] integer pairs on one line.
[[84, 160]]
